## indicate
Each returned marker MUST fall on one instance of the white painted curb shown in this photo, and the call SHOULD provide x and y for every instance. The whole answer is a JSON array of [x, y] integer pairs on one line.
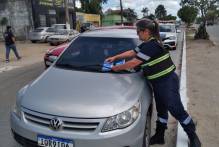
[[182, 139]]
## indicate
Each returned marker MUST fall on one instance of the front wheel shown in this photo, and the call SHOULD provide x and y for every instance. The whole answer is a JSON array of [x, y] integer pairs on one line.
[[147, 131]]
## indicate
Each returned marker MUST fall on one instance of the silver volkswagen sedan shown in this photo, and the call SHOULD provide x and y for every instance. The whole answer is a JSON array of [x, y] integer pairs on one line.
[[80, 102]]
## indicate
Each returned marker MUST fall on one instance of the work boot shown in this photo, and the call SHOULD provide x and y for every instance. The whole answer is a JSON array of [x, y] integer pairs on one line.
[[158, 137], [194, 141], [190, 131]]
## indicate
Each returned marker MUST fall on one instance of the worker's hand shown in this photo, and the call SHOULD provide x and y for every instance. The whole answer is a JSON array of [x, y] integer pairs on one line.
[[115, 68], [110, 59]]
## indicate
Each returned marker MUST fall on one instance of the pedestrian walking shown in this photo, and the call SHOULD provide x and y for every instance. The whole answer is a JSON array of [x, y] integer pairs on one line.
[[158, 68], [10, 43]]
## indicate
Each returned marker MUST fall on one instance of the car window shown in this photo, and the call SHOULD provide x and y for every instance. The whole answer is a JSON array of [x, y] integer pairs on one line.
[[38, 30], [167, 28], [94, 50], [59, 27], [50, 30]]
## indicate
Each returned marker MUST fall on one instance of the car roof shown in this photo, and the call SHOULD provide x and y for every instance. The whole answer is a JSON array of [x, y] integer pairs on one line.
[[112, 32]]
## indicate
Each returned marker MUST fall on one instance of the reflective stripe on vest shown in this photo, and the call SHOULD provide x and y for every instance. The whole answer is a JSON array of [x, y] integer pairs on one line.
[[168, 70], [158, 60]]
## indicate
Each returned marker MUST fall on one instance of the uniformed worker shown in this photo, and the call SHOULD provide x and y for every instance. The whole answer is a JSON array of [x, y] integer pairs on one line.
[[158, 68]]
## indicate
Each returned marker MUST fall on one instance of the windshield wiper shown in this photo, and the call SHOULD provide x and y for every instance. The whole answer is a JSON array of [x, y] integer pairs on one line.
[[85, 67], [90, 67]]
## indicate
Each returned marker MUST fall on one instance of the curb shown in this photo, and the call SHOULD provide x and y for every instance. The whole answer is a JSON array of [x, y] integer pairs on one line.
[[182, 139]]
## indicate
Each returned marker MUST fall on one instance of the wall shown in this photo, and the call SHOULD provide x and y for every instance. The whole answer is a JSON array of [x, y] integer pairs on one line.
[[19, 15], [110, 20], [92, 18]]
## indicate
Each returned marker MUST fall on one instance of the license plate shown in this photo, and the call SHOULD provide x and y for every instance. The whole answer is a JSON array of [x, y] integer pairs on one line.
[[47, 141]]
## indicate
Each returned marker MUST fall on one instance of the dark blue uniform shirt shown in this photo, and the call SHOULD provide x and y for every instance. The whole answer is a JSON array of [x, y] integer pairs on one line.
[[148, 50]]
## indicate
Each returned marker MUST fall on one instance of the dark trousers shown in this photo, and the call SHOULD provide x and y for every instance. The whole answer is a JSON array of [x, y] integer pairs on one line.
[[8, 49], [167, 98]]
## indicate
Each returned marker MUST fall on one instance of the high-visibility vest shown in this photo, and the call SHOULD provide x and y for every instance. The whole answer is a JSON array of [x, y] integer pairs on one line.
[[158, 66]]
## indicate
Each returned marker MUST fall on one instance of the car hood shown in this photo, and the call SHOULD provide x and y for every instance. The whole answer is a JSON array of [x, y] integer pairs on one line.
[[80, 94]]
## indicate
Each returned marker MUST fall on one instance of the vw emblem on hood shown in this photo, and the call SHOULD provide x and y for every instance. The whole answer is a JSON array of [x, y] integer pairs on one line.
[[56, 123]]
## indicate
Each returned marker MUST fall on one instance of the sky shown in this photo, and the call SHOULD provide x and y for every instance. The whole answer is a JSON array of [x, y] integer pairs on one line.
[[172, 6]]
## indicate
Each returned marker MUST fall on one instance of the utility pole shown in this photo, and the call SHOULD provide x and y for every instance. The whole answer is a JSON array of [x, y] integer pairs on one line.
[[67, 14], [74, 15], [121, 9]]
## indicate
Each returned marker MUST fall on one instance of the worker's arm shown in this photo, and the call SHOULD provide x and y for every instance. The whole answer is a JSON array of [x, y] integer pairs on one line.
[[128, 65], [127, 54], [13, 38]]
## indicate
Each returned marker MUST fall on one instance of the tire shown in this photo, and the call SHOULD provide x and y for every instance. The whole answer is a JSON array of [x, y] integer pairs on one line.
[[52, 44], [33, 41], [46, 66], [45, 40], [174, 48], [147, 131]]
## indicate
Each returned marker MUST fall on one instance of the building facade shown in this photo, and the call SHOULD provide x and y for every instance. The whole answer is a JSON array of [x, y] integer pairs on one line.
[[49, 12], [24, 15], [19, 16]]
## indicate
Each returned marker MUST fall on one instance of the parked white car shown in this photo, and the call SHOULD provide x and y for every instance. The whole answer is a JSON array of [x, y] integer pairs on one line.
[[168, 32], [62, 36]]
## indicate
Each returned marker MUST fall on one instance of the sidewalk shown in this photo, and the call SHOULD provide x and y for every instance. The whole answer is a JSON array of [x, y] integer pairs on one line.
[[203, 92], [30, 53]]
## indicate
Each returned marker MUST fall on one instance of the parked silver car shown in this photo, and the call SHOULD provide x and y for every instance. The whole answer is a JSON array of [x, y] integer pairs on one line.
[[80, 102], [62, 36], [41, 34]]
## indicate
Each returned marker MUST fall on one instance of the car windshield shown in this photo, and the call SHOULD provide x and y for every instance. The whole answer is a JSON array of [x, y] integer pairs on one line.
[[167, 28], [89, 53]]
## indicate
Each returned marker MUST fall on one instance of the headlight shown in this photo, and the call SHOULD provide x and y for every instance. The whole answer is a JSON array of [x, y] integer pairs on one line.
[[123, 119], [17, 107], [17, 111], [172, 37]]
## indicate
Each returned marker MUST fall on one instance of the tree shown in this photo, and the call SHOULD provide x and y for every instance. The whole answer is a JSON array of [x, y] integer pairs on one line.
[[211, 16], [3, 22], [188, 14], [170, 17], [92, 6], [204, 6], [151, 16], [130, 14], [160, 12], [145, 11]]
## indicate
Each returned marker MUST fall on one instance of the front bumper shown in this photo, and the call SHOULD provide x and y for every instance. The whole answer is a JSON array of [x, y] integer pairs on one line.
[[26, 133], [47, 60]]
